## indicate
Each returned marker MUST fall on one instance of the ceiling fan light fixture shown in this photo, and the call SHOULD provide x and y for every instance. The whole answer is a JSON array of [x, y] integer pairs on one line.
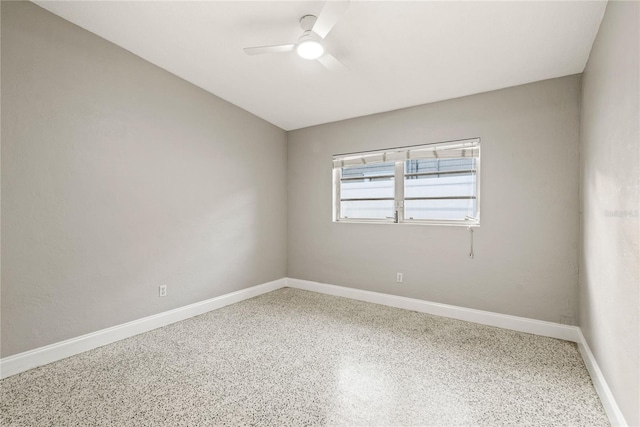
[[310, 49]]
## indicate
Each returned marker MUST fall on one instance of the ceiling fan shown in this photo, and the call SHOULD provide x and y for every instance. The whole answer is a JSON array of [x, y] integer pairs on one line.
[[310, 44]]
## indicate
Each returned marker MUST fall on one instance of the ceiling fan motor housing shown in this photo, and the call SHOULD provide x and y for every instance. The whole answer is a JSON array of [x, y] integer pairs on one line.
[[309, 45]]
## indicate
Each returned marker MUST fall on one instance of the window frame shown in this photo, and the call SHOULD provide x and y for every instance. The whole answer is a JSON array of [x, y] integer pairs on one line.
[[399, 188]]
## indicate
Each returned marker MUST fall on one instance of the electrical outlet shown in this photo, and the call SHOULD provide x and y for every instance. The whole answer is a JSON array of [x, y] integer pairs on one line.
[[399, 277], [162, 291]]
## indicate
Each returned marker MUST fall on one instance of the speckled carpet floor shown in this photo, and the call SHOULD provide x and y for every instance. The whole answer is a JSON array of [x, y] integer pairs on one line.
[[293, 357]]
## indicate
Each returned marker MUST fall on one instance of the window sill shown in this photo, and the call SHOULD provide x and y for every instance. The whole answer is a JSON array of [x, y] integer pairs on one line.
[[410, 222]]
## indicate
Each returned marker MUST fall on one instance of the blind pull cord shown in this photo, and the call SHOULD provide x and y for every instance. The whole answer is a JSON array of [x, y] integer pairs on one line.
[[471, 241]]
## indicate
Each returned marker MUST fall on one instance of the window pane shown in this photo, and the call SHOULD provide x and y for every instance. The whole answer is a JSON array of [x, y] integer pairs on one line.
[[360, 184], [364, 209], [440, 178], [439, 209], [443, 165]]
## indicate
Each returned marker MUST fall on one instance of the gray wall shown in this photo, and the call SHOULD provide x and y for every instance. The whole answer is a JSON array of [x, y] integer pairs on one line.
[[610, 178], [526, 248], [118, 177]]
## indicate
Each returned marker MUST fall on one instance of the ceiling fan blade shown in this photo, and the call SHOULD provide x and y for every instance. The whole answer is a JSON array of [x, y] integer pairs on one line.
[[331, 63], [331, 13], [268, 49]]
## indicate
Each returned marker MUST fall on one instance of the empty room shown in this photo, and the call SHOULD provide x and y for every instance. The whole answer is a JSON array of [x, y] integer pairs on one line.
[[341, 213]]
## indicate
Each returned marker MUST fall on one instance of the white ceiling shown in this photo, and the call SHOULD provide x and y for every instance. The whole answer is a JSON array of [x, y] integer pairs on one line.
[[400, 53]]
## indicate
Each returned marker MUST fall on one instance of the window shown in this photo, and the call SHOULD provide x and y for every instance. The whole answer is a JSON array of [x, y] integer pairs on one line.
[[425, 184]]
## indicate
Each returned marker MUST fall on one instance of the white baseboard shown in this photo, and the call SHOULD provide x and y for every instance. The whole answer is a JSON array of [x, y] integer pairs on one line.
[[521, 324], [602, 388], [41, 356]]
